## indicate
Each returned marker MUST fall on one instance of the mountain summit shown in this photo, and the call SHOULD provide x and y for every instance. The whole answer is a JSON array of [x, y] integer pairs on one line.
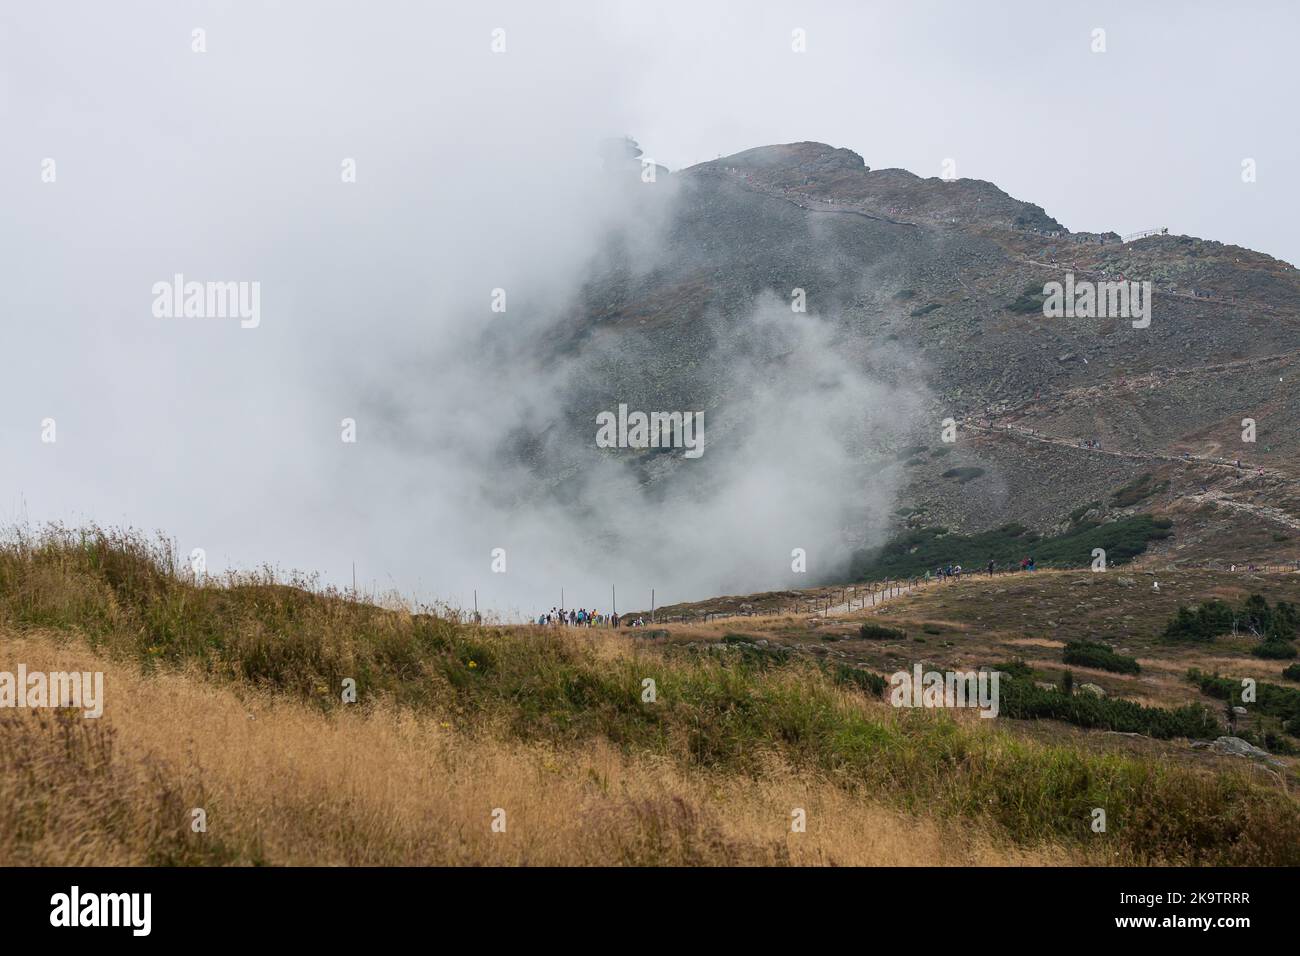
[[934, 291]]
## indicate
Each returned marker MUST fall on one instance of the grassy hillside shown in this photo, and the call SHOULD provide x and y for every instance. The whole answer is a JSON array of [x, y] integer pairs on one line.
[[727, 733]]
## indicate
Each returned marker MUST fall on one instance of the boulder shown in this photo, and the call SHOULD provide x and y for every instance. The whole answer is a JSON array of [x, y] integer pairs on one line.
[[1237, 747]]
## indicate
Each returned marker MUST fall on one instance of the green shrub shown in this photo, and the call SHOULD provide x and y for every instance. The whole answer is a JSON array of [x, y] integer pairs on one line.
[[1277, 623], [918, 550], [1213, 618], [1201, 623], [872, 684], [1274, 650], [1024, 700], [1093, 654], [871, 631], [1017, 669], [1292, 672], [1274, 700]]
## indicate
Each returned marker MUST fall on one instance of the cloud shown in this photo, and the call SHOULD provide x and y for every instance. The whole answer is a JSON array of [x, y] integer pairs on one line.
[[478, 171]]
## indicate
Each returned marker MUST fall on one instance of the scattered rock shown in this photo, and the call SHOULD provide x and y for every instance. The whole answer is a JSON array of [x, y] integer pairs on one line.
[[1237, 747], [1092, 689]]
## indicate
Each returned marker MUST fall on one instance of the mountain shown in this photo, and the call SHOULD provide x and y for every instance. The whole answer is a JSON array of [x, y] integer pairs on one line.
[[933, 289]]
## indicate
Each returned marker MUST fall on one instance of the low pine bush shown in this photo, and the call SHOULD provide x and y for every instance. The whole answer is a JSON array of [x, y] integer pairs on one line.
[[1024, 700], [1093, 654], [1273, 700], [871, 631], [1274, 650]]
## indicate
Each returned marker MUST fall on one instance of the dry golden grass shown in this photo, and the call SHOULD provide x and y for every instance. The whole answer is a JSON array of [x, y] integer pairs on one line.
[[284, 783], [241, 715]]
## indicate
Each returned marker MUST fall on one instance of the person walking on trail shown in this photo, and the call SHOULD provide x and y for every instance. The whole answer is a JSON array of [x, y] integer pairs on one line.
[[990, 567]]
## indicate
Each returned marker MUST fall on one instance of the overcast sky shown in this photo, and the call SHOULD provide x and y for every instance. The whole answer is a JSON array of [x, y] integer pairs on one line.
[[472, 172], [1151, 132]]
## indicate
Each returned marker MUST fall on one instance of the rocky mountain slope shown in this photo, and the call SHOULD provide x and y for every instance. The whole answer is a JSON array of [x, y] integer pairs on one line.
[[933, 288]]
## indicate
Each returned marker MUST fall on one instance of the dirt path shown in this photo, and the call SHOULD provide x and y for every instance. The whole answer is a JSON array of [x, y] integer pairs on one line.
[[1217, 497], [874, 595], [1245, 470], [874, 599], [1267, 512], [1080, 270]]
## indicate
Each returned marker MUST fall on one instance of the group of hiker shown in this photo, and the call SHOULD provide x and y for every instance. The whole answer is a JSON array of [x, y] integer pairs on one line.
[[956, 571], [1089, 443], [583, 617], [579, 617]]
